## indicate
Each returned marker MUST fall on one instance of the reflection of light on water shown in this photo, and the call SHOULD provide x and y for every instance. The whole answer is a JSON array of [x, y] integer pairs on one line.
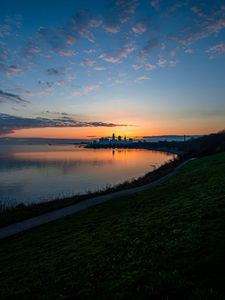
[[52, 171]]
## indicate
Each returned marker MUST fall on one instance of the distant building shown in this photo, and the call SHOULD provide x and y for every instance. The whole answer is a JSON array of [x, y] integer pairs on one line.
[[113, 142], [103, 140]]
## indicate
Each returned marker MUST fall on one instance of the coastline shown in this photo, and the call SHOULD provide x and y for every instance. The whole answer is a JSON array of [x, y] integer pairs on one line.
[[19, 227], [140, 146], [22, 212]]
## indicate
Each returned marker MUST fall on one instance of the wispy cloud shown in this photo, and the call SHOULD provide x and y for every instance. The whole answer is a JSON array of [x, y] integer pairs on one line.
[[123, 10], [87, 89], [80, 26], [189, 50], [51, 37], [10, 97], [9, 123], [151, 44], [13, 70], [51, 84], [100, 68], [9, 25], [89, 51], [110, 59], [54, 71], [198, 11], [219, 48], [10, 70], [5, 30], [144, 42], [112, 28], [122, 53], [61, 37], [4, 52], [136, 67], [47, 112], [206, 24], [150, 67], [139, 27], [88, 62], [67, 53], [162, 62], [143, 78], [31, 49]]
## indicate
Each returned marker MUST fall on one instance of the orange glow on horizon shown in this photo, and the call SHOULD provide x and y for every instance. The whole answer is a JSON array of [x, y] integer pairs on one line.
[[164, 128]]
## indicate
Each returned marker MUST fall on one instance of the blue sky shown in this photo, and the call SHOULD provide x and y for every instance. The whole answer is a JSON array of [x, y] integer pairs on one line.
[[73, 68]]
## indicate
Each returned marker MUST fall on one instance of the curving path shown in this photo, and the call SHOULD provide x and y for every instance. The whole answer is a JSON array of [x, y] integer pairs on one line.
[[16, 228]]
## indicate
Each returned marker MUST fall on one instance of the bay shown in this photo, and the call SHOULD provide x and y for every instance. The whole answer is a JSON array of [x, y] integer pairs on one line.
[[32, 173]]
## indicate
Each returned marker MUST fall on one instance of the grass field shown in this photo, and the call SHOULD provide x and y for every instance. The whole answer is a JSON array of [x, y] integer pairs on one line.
[[165, 243]]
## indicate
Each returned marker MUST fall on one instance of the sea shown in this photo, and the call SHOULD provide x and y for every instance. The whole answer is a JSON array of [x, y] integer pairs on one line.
[[38, 172]]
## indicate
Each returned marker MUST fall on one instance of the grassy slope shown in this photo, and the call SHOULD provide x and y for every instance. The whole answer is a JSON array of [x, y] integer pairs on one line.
[[165, 243]]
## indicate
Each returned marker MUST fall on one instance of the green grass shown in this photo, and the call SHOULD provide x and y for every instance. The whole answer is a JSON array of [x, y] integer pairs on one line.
[[165, 243]]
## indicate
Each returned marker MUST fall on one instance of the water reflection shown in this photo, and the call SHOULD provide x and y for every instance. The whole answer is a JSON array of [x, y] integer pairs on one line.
[[14, 162], [36, 173]]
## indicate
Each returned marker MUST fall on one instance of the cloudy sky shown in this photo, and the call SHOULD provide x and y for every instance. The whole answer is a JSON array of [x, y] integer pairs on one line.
[[89, 68]]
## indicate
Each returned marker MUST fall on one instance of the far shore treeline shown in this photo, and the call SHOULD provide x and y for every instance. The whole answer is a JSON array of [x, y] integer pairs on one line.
[[196, 147]]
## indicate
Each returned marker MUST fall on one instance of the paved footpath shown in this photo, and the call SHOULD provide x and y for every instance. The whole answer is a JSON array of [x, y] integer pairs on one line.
[[16, 228]]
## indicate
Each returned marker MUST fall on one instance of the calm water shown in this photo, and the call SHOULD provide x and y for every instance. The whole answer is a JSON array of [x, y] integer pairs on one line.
[[38, 173]]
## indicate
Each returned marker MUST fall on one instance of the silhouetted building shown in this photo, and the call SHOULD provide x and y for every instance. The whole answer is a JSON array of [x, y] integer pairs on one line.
[[103, 140], [113, 142]]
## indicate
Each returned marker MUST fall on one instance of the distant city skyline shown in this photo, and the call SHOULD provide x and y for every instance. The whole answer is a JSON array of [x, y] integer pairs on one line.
[[75, 69]]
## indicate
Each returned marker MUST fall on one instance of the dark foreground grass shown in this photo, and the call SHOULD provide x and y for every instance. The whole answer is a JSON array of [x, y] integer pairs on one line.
[[165, 243]]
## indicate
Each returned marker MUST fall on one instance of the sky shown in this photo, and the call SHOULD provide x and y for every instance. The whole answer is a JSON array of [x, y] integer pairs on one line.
[[85, 69]]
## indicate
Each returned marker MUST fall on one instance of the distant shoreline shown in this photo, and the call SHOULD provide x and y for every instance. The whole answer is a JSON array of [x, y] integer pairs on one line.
[[141, 146]]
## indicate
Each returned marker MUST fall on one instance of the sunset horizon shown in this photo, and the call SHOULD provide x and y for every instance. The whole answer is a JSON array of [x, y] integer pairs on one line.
[[112, 149], [124, 66]]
